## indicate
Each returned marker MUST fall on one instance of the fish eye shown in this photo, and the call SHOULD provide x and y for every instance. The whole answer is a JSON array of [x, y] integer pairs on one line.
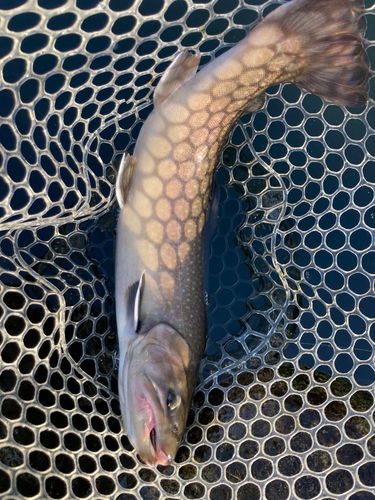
[[173, 400]]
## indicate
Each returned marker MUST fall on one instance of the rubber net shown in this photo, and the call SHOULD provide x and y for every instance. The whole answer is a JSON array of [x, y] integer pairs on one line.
[[284, 406]]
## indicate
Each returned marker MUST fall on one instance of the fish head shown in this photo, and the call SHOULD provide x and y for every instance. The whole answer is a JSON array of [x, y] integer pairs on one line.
[[156, 392]]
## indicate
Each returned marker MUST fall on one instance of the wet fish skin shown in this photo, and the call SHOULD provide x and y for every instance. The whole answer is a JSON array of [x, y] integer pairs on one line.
[[164, 194]]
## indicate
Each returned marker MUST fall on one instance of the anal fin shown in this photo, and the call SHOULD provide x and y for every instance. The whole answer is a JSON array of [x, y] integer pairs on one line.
[[180, 71]]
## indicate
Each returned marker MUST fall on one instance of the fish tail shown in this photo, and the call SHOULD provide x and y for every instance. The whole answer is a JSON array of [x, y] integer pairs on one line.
[[330, 34]]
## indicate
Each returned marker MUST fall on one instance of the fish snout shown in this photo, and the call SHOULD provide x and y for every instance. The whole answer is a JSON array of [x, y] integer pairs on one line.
[[163, 458], [166, 448], [159, 458]]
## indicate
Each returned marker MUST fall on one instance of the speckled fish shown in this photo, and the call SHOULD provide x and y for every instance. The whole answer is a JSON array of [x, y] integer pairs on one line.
[[164, 193]]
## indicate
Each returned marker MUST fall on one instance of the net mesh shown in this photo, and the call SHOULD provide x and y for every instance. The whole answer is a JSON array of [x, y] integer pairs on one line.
[[284, 405]]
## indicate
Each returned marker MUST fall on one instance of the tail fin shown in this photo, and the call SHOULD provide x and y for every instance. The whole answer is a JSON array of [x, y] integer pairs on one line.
[[331, 35]]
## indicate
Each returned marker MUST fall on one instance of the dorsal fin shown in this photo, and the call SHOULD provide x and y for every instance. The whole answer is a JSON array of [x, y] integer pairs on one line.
[[134, 298], [180, 71], [209, 229], [255, 104], [124, 178]]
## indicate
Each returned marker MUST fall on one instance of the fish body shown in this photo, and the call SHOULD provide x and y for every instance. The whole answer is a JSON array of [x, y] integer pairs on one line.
[[164, 193]]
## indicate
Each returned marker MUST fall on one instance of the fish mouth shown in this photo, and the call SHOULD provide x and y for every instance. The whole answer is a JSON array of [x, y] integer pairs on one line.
[[161, 458], [152, 437], [156, 456]]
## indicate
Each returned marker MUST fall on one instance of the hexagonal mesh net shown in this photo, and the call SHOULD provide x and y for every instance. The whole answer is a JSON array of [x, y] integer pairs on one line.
[[284, 406]]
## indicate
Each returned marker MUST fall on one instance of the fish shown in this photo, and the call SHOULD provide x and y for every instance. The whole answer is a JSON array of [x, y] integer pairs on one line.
[[164, 192]]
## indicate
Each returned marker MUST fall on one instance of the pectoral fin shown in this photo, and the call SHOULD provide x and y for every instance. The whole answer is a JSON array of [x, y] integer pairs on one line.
[[124, 178], [134, 299], [180, 71]]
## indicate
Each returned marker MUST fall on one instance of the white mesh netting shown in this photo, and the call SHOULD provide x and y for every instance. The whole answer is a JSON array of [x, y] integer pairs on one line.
[[284, 407]]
